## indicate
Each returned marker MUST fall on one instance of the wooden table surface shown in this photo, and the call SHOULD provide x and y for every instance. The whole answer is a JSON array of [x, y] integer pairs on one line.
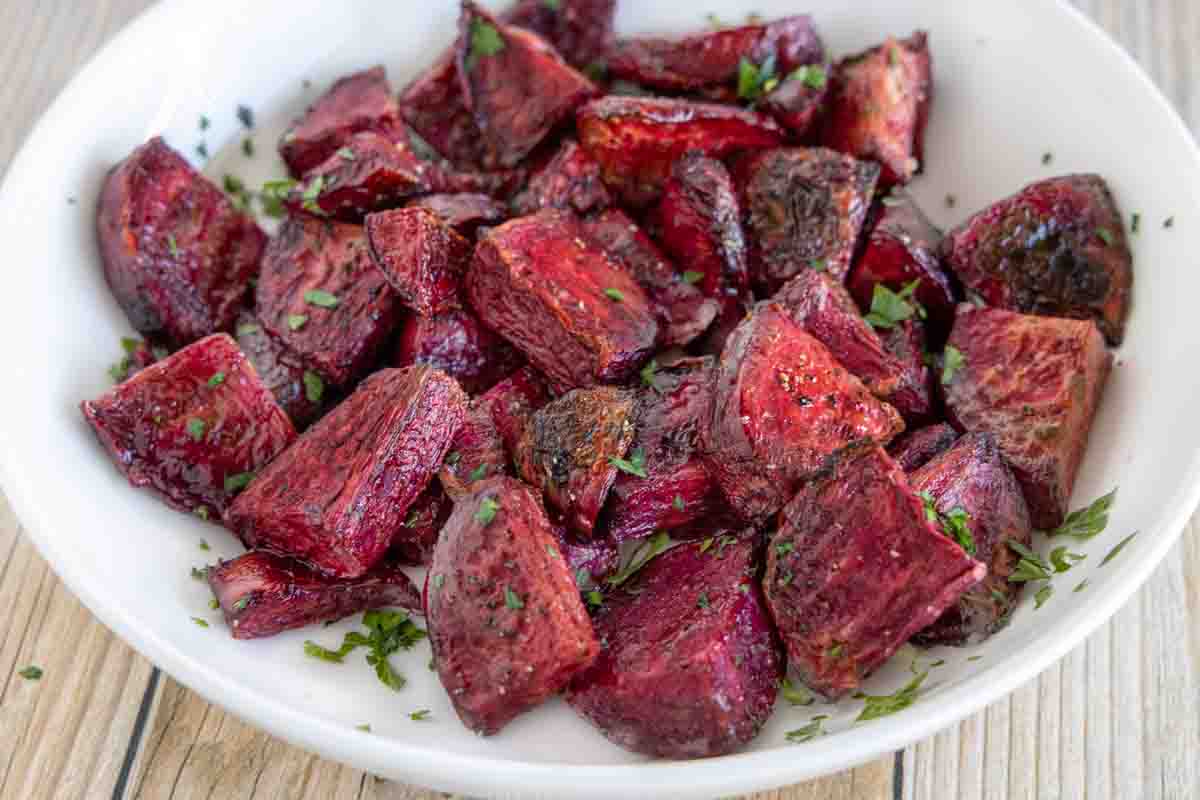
[[1118, 718]]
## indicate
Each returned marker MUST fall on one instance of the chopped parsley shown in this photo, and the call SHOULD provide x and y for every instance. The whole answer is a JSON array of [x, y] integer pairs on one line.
[[614, 294], [889, 308], [1063, 559], [1030, 566], [702, 600], [594, 598], [172, 245], [1043, 594], [755, 80], [31, 673], [955, 524], [1047, 157], [647, 550], [795, 695], [200, 574], [196, 428], [678, 503], [365, 727], [346, 154], [876, 706], [241, 604], [216, 380], [202, 513], [273, 195], [648, 372], [552, 551], [596, 70], [952, 362], [811, 75], [439, 581], [297, 321], [420, 716], [692, 277], [512, 599], [783, 548], [312, 191], [205, 122], [387, 632], [1083, 584], [809, 732], [248, 147], [200, 621], [1169, 222], [321, 298], [245, 115], [635, 465], [453, 457], [1084, 523], [817, 264], [486, 41], [951, 201], [314, 387], [1135, 222], [836, 650], [487, 511], [1106, 236], [479, 473], [235, 483], [202, 150], [1116, 551]]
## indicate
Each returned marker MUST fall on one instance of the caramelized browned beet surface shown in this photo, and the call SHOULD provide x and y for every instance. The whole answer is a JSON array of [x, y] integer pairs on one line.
[[262, 594], [1034, 383], [414, 542], [578, 29], [917, 448], [422, 257], [466, 212], [281, 371], [322, 296], [476, 453], [359, 102], [459, 344], [505, 618], [637, 139], [1055, 248], [879, 104], [570, 179], [973, 477], [512, 403], [689, 667], [784, 410], [569, 448], [338, 496], [855, 570], [193, 426], [575, 314], [177, 256], [804, 209]]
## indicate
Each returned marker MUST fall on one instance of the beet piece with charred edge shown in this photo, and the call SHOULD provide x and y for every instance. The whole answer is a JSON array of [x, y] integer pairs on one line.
[[466, 212], [505, 619], [690, 667], [1034, 383], [359, 102], [192, 427], [421, 256], [476, 453], [517, 86], [902, 247], [972, 477], [638, 139], [713, 58], [570, 448], [916, 448], [570, 179], [914, 396], [580, 30], [677, 492], [684, 312], [456, 342], [337, 497], [879, 104], [177, 255], [784, 410], [513, 402], [804, 208], [1055, 248], [799, 99], [414, 542], [575, 314], [262, 594], [855, 570], [281, 371]]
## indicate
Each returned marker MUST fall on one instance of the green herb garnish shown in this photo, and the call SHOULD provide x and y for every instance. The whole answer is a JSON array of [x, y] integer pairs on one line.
[[811, 75], [648, 372], [1135, 222], [692, 277], [387, 632], [1063, 559], [273, 195], [889, 308], [795, 695], [312, 191], [487, 511], [346, 154], [635, 465], [196, 428], [234, 483], [702, 600], [245, 116], [248, 328], [1116, 551], [1106, 236], [678, 503], [478, 473], [809, 732], [420, 716], [201, 621], [296, 321], [647, 550], [248, 147], [615, 294], [754, 80], [1085, 523], [952, 362], [486, 41], [321, 298], [216, 380], [1043, 594], [365, 727], [314, 387], [512, 600], [876, 706], [172, 245]]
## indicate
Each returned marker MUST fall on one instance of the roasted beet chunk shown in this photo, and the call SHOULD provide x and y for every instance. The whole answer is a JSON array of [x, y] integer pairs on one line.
[[784, 410], [572, 448], [177, 255], [516, 85], [914, 398], [434, 106], [262, 594], [466, 212], [855, 570], [917, 448], [575, 314], [579, 29], [804, 209], [414, 542], [507, 624], [512, 403], [570, 180], [321, 295], [677, 492], [683, 311], [476, 453], [338, 496], [689, 667], [359, 102], [590, 561], [421, 256], [1056, 248], [459, 344], [637, 139], [713, 58], [979, 504], [1034, 383], [192, 427], [879, 104], [299, 391], [798, 100]]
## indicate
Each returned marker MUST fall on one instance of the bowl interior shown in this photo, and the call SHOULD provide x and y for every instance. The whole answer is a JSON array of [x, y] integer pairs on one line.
[[1011, 86]]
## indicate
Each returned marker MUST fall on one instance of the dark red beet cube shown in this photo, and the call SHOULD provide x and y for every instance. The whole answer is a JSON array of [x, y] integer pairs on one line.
[[855, 570], [916, 448], [299, 391], [972, 479], [359, 102], [805, 208], [337, 498], [466, 212], [476, 453], [421, 256], [413, 544], [512, 403], [192, 427], [914, 397], [1055, 248], [576, 315], [878, 106], [784, 410], [262, 594], [798, 100], [581, 30], [1034, 383], [505, 618], [177, 255], [570, 179], [638, 139], [684, 313], [571, 449], [433, 104], [459, 344], [689, 666], [321, 294]]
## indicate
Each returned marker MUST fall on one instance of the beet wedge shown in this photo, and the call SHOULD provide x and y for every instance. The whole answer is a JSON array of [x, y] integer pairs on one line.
[[457, 343], [466, 212], [916, 448], [512, 403], [570, 180], [476, 453], [422, 257], [416, 539], [299, 391]]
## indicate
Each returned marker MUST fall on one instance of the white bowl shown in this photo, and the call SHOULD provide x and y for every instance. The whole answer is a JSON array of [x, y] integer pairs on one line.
[[1014, 81]]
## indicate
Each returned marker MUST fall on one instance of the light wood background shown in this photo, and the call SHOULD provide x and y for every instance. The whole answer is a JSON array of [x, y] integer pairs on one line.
[[1119, 718]]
